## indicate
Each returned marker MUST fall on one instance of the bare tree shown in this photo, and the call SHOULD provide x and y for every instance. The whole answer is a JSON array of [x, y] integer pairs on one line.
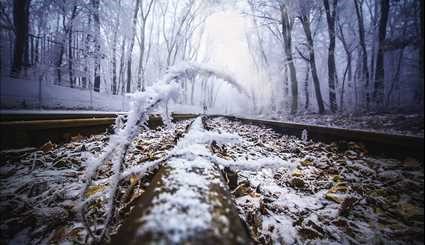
[[287, 24], [365, 75], [419, 95], [349, 45], [332, 73], [306, 23], [145, 11], [69, 31], [379, 89], [21, 22], [114, 85], [131, 46], [96, 19]]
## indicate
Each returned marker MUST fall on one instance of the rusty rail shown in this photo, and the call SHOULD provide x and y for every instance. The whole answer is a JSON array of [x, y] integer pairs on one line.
[[33, 129], [393, 145]]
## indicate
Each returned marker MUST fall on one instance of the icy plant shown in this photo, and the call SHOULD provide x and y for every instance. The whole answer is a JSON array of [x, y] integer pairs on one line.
[[141, 106]]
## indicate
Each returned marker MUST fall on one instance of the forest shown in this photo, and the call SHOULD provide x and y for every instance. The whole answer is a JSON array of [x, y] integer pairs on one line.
[[296, 57], [212, 122]]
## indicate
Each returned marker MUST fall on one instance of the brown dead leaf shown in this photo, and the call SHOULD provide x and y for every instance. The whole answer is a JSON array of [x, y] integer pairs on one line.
[[59, 234], [49, 146], [340, 187], [77, 138], [93, 190], [74, 233], [335, 198], [133, 180]]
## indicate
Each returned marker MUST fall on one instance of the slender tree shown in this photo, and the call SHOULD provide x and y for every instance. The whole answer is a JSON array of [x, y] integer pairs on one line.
[[70, 45], [96, 19], [419, 95], [144, 14], [305, 21], [332, 73], [286, 25], [86, 79], [114, 84], [348, 72], [365, 75], [131, 47], [21, 22], [379, 88]]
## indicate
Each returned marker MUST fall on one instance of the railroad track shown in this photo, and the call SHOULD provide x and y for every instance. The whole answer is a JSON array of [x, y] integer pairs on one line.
[[35, 129]]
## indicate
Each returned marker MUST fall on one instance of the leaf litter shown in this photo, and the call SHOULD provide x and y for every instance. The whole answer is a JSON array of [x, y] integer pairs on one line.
[[323, 193], [40, 188], [287, 190]]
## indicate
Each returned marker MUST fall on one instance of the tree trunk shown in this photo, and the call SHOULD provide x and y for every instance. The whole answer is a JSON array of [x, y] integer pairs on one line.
[[419, 95], [86, 80], [122, 66], [287, 36], [114, 53], [306, 87], [21, 21], [396, 78], [365, 70], [70, 46], [348, 73], [96, 18], [145, 12], [373, 23], [59, 58], [379, 91], [333, 80], [192, 91], [307, 29], [130, 51], [141, 68]]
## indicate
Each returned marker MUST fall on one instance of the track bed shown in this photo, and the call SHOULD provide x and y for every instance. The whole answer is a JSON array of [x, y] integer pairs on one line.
[[286, 190]]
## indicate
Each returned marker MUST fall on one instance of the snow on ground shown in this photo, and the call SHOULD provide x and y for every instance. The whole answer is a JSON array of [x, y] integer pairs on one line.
[[330, 194], [68, 112], [395, 123], [22, 96], [288, 190], [180, 210], [39, 198], [25, 94]]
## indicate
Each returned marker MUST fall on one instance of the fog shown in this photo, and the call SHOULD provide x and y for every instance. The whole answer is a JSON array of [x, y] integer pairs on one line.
[[294, 57]]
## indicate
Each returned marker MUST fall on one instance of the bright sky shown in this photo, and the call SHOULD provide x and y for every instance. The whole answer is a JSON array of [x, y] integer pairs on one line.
[[225, 45]]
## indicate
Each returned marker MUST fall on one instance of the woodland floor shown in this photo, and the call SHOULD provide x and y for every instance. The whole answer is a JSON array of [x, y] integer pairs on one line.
[[405, 124], [326, 193]]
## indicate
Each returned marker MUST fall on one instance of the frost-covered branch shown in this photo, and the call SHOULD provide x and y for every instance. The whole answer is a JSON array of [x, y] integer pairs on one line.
[[141, 106]]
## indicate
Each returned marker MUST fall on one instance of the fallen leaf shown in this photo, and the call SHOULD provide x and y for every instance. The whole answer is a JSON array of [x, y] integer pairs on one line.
[[49, 146], [335, 197], [77, 138], [133, 180], [297, 173], [93, 190]]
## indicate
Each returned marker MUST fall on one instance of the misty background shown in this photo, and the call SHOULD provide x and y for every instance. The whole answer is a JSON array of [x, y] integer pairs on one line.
[[294, 57]]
